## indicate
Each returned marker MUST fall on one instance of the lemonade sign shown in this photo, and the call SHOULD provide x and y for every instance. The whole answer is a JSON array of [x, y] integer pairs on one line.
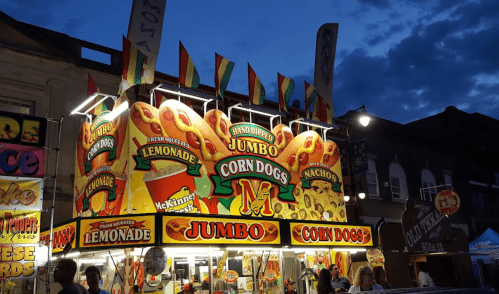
[[174, 160]]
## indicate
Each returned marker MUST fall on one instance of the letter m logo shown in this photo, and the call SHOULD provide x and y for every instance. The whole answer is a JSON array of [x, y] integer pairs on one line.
[[255, 203]]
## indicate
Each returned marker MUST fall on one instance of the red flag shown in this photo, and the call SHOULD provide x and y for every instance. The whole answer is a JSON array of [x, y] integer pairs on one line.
[[160, 98], [241, 117], [91, 89], [322, 110]]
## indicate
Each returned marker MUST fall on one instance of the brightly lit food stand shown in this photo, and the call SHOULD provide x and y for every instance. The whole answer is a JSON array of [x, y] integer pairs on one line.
[[235, 204]]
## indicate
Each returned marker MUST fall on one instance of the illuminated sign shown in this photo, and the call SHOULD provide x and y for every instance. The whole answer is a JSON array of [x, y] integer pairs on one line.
[[17, 261], [62, 236], [201, 230], [21, 193], [20, 160], [19, 226], [117, 231], [447, 202], [171, 159], [22, 129], [330, 235]]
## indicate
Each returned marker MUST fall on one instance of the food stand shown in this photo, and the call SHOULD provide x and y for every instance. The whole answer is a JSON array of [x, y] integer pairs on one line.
[[258, 206]]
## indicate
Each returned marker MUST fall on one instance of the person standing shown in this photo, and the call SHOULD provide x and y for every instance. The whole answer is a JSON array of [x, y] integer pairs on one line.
[[364, 281], [93, 280], [64, 274], [339, 283], [380, 277], [424, 278], [188, 289], [324, 282], [290, 287]]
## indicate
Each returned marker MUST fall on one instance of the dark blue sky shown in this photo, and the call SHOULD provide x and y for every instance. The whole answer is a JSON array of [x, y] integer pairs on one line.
[[403, 59]]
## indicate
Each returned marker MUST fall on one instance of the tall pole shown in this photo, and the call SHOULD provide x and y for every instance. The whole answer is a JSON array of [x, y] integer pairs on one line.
[[51, 235]]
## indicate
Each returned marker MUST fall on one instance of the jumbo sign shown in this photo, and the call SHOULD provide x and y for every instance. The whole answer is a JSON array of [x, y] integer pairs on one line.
[[219, 231], [174, 160]]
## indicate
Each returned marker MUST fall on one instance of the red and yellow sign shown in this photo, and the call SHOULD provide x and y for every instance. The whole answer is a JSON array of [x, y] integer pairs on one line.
[[270, 275], [330, 235], [375, 257], [343, 260], [201, 230], [19, 226], [117, 231], [17, 261], [447, 202], [230, 276], [174, 160], [22, 129], [62, 236], [21, 193]]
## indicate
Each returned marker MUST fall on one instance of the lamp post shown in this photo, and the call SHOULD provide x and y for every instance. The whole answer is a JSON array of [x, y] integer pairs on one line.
[[350, 191]]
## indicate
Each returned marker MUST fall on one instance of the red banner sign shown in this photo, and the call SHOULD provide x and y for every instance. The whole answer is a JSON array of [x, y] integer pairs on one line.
[[62, 236], [329, 235], [219, 230]]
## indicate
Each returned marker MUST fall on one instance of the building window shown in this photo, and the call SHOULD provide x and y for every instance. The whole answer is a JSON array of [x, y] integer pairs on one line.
[[479, 208], [372, 178], [16, 105], [448, 181], [428, 183], [398, 181]]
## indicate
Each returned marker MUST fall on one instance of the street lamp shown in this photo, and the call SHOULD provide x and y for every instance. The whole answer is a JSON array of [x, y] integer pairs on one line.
[[359, 113]]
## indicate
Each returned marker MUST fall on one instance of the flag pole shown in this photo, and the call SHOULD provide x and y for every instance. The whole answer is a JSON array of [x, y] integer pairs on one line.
[[251, 120]]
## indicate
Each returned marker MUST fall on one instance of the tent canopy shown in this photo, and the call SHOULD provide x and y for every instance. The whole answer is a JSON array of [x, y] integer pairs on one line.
[[487, 243]]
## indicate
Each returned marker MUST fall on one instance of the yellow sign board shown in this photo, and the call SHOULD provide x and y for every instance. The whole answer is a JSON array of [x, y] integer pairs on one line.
[[17, 193], [17, 261], [19, 226], [63, 235], [117, 231], [330, 235], [203, 230]]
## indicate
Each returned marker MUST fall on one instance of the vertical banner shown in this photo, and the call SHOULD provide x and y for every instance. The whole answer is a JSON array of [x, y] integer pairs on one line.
[[325, 54], [19, 226], [21, 160], [21, 193], [17, 261], [144, 31]]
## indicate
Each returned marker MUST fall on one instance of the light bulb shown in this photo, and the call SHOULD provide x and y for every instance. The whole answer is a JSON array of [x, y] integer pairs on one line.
[[364, 120]]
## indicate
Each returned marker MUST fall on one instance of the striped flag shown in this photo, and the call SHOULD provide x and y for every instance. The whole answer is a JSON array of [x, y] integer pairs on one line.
[[256, 90], [160, 98], [286, 86], [187, 73], [241, 117], [223, 70], [298, 127], [310, 95], [133, 66], [91, 89], [321, 112], [189, 103]]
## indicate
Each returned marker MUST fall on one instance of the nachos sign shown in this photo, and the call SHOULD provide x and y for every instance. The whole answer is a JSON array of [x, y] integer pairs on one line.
[[178, 161]]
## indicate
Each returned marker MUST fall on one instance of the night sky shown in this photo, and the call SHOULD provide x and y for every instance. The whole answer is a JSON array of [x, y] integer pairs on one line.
[[404, 60]]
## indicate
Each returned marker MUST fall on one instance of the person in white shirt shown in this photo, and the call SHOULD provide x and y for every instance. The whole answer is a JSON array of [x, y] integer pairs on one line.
[[364, 281], [424, 278]]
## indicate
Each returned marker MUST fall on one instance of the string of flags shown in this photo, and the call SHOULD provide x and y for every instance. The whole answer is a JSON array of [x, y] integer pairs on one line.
[[139, 59]]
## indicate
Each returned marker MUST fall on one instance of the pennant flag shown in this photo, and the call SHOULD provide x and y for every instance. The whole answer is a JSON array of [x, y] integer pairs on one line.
[[160, 98], [241, 117], [223, 70], [256, 90], [187, 73], [144, 31], [320, 110], [310, 95], [298, 127], [91, 89], [189, 103], [133, 66], [286, 86]]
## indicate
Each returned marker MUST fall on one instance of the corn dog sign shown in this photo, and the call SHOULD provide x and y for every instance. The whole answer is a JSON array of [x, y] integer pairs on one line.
[[175, 160]]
